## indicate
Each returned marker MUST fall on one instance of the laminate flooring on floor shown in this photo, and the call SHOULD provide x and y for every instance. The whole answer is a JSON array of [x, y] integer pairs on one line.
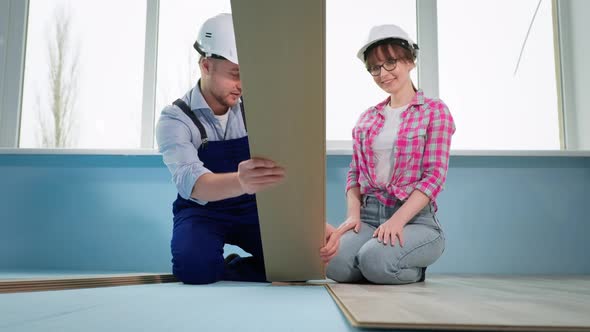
[[536, 303], [30, 282]]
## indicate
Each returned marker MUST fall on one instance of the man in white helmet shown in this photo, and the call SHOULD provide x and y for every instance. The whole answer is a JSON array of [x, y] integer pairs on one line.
[[204, 143]]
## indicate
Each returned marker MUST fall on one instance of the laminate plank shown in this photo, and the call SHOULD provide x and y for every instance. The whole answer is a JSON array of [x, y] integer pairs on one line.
[[76, 282], [522, 303], [281, 53]]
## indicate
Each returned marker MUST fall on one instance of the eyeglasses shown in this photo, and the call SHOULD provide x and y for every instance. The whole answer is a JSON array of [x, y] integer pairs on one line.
[[388, 65]]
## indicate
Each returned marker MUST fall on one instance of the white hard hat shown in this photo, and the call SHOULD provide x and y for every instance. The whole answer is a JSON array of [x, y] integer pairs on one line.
[[216, 38], [388, 31]]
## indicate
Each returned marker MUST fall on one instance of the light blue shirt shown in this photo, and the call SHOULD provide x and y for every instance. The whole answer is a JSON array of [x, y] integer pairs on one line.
[[179, 139]]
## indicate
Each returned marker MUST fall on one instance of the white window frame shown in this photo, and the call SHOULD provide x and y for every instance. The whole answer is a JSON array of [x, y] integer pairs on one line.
[[150, 73], [14, 15], [13, 27], [572, 73]]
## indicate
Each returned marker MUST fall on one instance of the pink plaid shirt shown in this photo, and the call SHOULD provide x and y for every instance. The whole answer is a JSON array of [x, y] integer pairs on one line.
[[421, 151]]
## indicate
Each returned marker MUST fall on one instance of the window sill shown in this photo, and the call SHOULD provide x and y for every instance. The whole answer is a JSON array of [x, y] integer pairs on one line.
[[334, 148], [345, 148], [98, 152]]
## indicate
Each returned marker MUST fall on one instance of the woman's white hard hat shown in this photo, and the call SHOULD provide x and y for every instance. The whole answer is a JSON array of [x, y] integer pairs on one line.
[[387, 31]]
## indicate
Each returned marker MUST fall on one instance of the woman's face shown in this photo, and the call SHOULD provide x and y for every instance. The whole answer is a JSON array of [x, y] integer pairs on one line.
[[392, 80]]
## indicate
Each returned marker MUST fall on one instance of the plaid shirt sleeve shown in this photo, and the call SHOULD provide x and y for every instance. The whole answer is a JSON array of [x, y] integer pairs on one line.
[[353, 171], [436, 151]]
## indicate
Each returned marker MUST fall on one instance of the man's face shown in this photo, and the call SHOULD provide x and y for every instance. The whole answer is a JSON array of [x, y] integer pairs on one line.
[[224, 81]]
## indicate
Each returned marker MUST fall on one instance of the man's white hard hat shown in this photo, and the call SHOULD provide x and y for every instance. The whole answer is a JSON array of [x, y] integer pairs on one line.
[[216, 38]]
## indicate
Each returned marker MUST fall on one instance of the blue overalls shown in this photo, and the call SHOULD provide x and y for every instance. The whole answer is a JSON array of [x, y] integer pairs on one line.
[[201, 231]]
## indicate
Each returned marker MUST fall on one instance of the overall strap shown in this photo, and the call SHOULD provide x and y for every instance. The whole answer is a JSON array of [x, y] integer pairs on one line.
[[187, 110]]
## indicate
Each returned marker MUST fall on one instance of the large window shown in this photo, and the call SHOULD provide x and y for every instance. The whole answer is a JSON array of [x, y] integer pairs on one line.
[[499, 85], [178, 68], [83, 74], [350, 90], [84, 68]]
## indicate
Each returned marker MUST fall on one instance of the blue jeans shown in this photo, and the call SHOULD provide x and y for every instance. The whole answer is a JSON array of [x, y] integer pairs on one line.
[[362, 258]]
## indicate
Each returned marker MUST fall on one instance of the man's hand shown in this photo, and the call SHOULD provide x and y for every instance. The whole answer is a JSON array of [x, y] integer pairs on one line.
[[332, 243], [259, 174]]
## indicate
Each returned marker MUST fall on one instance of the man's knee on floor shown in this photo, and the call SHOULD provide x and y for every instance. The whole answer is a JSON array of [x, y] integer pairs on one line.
[[198, 270]]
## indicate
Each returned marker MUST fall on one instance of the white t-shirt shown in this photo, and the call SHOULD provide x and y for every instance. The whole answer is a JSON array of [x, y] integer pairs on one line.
[[384, 142], [223, 120]]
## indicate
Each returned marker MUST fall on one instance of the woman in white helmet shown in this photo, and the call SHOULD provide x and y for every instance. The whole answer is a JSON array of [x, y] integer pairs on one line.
[[204, 143], [399, 165]]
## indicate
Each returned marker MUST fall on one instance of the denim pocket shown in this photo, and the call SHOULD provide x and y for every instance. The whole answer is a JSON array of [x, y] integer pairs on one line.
[[427, 217], [370, 211]]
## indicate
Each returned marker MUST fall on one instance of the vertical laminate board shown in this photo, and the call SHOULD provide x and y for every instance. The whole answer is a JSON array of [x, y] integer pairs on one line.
[[281, 53]]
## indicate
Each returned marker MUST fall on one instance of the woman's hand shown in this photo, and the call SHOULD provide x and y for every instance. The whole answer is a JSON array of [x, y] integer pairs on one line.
[[332, 243], [389, 232], [353, 223]]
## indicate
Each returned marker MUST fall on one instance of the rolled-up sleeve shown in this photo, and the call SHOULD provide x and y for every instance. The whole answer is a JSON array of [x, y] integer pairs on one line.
[[436, 152], [179, 154], [353, 171]]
